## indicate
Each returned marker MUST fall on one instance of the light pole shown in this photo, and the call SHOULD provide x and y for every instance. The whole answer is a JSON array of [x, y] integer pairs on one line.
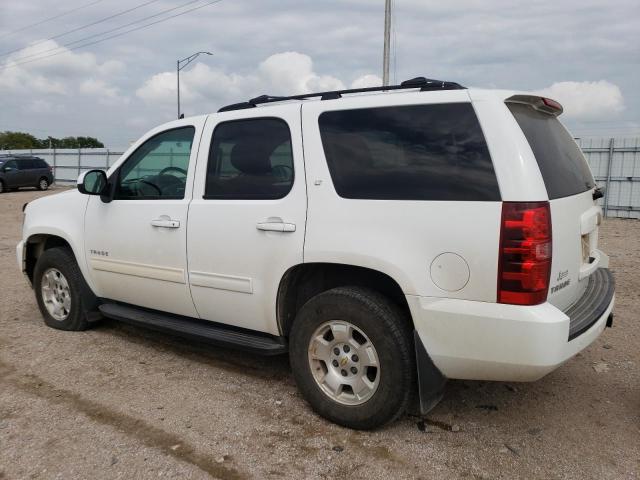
[[180, 64]]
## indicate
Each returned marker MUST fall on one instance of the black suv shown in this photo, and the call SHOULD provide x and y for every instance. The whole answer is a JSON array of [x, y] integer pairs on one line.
[[23, 171]]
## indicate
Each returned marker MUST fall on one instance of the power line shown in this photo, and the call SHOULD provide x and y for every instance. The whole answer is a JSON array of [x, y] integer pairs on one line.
[[49, 19], [62, 47], [82, 27], [4, 67]]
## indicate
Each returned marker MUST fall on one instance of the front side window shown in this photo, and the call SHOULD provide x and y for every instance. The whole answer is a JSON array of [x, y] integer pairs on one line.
[[158, 168], [11, 164], [250, 159], [413, 152]]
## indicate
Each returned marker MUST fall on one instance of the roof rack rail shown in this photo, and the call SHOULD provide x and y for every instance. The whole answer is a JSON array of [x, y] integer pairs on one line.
[[424, 84]]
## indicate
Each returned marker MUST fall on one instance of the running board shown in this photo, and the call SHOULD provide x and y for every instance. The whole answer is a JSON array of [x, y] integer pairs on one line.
[[192, 328]]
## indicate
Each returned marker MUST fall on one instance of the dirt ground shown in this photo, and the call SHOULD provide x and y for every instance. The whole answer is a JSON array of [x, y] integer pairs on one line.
[[121, 402]]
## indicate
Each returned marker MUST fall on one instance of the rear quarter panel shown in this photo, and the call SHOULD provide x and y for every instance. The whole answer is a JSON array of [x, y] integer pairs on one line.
[[399, 238]]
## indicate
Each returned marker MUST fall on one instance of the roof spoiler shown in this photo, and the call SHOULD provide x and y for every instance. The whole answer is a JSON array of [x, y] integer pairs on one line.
[[542, 104]]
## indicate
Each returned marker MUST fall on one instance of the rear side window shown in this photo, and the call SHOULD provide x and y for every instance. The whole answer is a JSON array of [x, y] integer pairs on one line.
[[249, 160], [26, 164], [415, 152], [564, 170], [40, 163]]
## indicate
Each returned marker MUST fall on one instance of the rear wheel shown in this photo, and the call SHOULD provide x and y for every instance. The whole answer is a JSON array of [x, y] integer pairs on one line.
[[58, 286], [43, 184], [352, 357]]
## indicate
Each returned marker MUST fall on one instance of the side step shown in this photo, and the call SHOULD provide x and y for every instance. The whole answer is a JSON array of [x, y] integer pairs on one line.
[[192, 328]]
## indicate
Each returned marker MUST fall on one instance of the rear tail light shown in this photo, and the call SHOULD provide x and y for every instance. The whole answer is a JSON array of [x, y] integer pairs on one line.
[[552, 104], [525, 253]]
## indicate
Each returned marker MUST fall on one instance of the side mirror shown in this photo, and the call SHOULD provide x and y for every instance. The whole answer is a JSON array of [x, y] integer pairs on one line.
[[92, 182]]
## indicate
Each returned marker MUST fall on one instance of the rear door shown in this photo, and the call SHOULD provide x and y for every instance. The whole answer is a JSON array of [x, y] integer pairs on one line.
[[570, 186], [29, 172], [247, 217]]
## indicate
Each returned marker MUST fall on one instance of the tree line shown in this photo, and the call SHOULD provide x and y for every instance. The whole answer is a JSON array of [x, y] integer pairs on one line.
[[23, 141]]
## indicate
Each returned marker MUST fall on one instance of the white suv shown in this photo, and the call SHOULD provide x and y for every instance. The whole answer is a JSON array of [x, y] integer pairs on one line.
[[386, 238]]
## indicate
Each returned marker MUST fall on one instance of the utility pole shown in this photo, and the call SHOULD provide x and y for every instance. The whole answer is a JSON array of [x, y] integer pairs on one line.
[[387, 41]]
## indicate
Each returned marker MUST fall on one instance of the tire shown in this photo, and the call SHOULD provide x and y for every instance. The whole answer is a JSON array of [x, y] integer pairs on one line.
[[377, 322], [61, 261], [43, 184]]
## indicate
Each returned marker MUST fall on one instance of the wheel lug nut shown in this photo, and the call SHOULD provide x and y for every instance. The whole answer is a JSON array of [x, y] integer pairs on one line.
[[344, 373], [354, 358], [354, 370], [336, 351], [335, 363], [346, 349]]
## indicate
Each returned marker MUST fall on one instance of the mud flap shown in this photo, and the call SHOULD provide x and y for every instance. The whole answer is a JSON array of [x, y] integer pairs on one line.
[[430, 381]]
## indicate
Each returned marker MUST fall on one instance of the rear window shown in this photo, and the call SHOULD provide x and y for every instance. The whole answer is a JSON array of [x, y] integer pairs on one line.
[[564, 170], [415, 152]]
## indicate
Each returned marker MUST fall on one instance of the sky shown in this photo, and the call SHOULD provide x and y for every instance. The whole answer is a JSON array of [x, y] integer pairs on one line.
[[585, 54]]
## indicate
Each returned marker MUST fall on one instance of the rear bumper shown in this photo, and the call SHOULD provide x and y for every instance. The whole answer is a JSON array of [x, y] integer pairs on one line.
[[491, 341]]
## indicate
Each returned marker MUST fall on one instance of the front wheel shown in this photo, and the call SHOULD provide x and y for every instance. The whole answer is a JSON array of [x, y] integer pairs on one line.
[[351, 352], [58, 285]]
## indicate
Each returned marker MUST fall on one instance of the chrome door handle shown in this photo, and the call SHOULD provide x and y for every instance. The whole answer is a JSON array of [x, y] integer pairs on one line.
[[165, 223], [276, 227]]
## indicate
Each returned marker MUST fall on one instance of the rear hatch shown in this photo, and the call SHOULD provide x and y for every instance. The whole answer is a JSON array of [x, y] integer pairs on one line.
[[575, 218]]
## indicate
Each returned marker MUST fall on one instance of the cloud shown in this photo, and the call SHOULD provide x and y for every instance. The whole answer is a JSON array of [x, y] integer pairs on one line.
[[586, 100], [63, 74], [493, 44], [286, 73], [366, 81]]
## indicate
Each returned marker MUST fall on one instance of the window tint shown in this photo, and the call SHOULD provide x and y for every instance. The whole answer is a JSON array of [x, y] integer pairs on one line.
[[11, 164], [562, 165], [40, 163], [250, 159], [416, 152], [26, 164], [158, 168]]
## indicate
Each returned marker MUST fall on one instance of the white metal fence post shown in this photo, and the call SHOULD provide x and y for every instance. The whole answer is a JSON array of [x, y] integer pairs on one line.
[[608, 181]]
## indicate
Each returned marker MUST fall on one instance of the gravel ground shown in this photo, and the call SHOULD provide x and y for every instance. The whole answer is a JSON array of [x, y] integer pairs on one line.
[[120, 402]]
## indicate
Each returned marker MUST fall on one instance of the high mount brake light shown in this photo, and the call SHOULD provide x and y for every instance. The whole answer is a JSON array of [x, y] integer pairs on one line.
[[525, 253], [551, 103]]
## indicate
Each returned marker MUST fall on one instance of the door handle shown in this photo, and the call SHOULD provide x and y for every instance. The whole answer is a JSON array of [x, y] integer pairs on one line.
[[165, 222], [276, 227]]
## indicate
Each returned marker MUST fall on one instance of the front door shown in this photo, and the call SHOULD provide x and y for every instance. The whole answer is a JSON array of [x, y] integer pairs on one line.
[[13, 176], [247, 218], [136, 244]]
